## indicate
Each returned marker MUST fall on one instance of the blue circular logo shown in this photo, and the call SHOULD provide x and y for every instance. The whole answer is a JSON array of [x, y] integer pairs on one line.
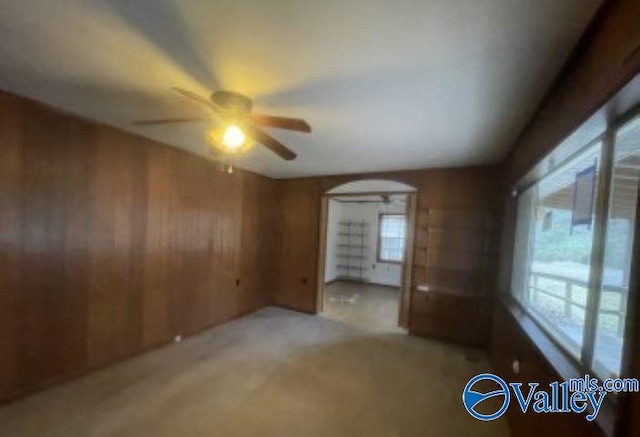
[[472, 398]]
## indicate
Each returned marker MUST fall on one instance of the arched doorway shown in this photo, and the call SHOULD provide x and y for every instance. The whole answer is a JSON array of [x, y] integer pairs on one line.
[[366, 252]]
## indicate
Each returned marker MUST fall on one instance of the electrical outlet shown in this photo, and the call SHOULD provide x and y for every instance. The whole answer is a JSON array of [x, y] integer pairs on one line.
[[178, 338], [515, 366]]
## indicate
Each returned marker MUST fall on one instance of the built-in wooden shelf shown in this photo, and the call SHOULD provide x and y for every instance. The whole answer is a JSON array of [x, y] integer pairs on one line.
[[455, 263]]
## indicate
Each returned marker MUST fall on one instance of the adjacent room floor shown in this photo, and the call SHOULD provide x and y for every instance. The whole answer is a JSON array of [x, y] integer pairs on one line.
[[368, 306], [273, 373]]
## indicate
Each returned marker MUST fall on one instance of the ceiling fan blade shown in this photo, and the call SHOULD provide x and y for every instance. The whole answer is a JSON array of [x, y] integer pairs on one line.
[[295, 124], [193, 96], [270, 143], [169, 120]]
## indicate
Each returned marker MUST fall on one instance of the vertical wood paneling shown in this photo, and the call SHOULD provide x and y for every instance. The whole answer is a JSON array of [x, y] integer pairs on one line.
[[55, 300], [296, 226], [156, 320], [112, 295], [297, 217], [255, 227], [11, 200], [604, 61], [78, 170], [111, 244], [508, 341]]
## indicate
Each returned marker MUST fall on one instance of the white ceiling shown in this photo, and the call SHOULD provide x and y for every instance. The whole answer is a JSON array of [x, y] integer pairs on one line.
[[385, 84]]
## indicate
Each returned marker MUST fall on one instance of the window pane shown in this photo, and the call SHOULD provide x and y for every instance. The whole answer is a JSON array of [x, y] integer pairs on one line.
[[554, 243], [392, 235], [617, 255]]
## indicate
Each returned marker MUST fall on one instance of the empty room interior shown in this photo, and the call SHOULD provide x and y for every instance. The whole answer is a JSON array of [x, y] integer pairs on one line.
[[320, 218]]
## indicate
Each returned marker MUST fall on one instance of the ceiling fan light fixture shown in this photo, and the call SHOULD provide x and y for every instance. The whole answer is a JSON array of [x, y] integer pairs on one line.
[[235, 110], [229, 140], [232, 102], [233, 138]]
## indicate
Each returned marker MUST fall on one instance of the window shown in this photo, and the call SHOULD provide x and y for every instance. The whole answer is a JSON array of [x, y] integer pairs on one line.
[[618, 246], [572, 259], [391, 236], [554, 260]]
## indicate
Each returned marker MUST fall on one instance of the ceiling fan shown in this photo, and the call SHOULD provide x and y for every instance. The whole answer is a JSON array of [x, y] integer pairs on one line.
[[235, 110]]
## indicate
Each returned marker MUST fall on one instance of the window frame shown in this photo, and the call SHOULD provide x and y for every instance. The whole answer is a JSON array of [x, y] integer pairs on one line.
[[379, 258], [531, 313], [584, 364]]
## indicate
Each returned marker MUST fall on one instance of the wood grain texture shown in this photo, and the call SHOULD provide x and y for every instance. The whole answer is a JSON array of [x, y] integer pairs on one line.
[[297, 226], [112, 244], [604, 61], [508, 341], [12, 307]]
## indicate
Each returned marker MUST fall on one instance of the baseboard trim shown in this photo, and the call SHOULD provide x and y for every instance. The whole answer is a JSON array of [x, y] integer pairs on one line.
[[59, 380]]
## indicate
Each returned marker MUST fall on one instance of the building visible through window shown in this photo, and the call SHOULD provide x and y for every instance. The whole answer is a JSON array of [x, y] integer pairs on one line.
[[571, 277]]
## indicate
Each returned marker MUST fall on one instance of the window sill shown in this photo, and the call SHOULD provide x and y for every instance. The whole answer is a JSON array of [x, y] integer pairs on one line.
[[384, 261], [557, 358]]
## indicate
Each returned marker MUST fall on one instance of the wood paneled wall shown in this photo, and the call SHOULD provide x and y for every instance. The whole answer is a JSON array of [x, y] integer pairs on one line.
[[297, 225], [607, 57], [509, 341], [294, 243], [111, 244]]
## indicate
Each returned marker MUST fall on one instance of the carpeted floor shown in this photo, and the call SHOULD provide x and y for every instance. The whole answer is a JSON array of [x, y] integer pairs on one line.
[[273, 373]]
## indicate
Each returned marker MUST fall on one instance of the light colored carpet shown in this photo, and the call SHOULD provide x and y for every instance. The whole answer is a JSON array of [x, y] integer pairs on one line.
[[273, 373]]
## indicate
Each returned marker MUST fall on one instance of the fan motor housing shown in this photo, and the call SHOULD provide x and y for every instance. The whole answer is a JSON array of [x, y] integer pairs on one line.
[[233, 102]]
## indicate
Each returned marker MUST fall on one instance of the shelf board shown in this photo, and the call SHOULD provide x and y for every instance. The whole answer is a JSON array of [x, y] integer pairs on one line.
[[352, 278], [458, 229], [483, 252], [447, 292], [453, 270]]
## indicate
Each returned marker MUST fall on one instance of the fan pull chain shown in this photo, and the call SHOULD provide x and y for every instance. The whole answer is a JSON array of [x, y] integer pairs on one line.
[[228, 164]]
